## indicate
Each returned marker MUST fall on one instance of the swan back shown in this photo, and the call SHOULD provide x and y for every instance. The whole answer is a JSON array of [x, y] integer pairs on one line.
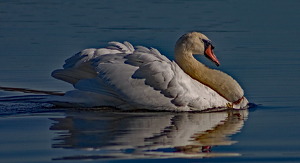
[[141, 78]]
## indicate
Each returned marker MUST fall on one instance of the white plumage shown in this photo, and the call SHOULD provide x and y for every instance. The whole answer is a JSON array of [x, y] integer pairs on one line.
[[129, 78]]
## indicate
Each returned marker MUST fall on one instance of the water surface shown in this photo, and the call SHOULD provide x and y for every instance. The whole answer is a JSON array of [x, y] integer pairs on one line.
[[256, 43]]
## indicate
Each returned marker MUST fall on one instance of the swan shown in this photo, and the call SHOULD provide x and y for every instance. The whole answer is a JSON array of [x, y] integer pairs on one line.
[[128, 78]]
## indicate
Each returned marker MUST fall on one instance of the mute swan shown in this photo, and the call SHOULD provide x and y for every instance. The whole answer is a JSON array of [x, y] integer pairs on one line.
[[129, 78]]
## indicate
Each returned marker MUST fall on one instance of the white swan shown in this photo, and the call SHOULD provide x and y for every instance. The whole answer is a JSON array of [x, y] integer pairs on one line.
[[129, 78]]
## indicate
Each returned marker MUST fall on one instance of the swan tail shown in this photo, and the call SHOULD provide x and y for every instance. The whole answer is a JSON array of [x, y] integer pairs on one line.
[[72, 75]]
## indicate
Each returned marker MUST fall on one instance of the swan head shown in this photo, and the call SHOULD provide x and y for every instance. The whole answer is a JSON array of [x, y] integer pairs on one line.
[[195, 43]]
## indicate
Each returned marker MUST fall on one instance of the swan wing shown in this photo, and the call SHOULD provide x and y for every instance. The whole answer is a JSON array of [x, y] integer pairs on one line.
[[140, 77], [79, 66]]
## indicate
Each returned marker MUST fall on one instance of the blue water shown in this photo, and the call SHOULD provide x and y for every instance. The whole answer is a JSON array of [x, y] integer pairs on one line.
[[256, 42]]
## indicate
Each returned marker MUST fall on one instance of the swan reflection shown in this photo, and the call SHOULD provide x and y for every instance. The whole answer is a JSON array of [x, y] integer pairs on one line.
[[146, 134]]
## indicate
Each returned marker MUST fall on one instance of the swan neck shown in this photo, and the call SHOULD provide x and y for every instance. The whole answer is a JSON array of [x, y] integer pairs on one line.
[[220, 82], [192, 67]]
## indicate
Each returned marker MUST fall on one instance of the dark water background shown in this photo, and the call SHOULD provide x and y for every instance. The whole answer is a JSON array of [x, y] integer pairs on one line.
[[257, 42]]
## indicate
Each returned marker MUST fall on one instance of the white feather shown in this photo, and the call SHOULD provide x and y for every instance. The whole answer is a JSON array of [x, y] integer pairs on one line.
[[128, 78]]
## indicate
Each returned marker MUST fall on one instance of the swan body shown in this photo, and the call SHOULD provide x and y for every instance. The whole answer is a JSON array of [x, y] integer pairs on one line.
[[128, 78]]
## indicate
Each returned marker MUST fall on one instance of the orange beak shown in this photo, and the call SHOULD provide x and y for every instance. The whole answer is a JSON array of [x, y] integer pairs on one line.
[[211, 56]]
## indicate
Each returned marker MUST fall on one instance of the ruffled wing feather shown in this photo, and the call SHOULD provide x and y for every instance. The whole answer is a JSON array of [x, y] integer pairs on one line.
[[141, 77]]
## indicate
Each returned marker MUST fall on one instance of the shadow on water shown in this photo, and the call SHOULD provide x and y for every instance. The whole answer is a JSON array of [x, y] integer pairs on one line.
[[132, 135]]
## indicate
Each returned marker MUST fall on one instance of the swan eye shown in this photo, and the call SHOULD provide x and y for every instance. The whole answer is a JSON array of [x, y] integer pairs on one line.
[[207, 43]]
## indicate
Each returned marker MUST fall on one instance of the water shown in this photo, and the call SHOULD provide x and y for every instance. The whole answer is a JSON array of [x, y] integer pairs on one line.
[[256, 43]]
